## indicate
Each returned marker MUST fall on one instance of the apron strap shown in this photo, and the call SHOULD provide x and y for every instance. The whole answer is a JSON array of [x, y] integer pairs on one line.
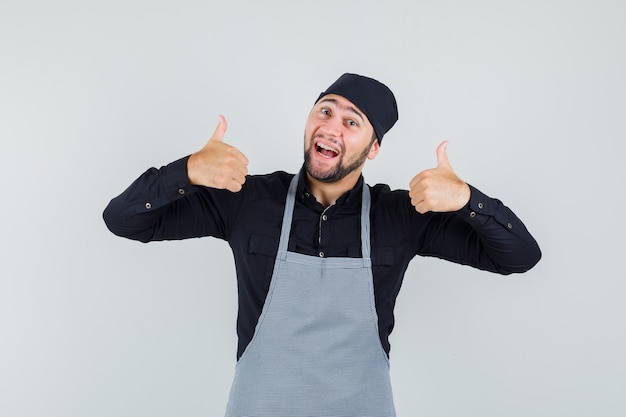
[[365, 225], [287, 217]]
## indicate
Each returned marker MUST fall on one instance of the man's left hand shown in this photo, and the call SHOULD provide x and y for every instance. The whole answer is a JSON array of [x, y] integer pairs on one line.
[[439, 189]]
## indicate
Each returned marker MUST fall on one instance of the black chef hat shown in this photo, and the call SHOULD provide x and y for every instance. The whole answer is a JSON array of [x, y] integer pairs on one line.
[[372, 97]]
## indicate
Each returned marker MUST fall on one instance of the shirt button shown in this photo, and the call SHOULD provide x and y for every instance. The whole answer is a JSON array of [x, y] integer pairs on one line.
[[510, 226], [480, 205], [307, 195], [181, 191], [324, 217], [321, 254], [473, 214], [148, 206]]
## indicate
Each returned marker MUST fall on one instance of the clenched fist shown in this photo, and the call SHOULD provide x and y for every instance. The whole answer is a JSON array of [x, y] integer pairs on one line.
[[218, 165], [439, 189]]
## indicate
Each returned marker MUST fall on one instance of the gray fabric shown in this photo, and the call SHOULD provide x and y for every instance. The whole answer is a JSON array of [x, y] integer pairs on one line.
[[316, 350]]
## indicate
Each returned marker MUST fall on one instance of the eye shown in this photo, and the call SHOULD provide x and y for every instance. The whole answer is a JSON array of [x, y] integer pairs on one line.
[[352, 122], [325, 111]]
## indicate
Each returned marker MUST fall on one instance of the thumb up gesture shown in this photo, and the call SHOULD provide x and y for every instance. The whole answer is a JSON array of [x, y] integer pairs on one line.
[[217, 164], [438, 189]]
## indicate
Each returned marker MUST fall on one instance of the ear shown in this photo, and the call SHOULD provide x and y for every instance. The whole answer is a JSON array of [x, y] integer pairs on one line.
[[373, 150]]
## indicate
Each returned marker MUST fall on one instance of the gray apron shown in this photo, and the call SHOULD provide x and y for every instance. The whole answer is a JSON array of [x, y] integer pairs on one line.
[[316, 349]]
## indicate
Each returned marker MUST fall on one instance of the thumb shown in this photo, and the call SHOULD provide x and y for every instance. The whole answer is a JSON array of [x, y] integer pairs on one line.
[[442, 156], [220, 130]]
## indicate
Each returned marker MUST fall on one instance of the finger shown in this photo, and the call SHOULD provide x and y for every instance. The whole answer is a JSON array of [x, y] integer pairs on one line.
[[236, 184], [235, 187], [416, 179], [416, 200], [238, 179], [420, 207], [243, 159], [416, 195], [241, 170], [442, 155], [234, 158], [220, 130]]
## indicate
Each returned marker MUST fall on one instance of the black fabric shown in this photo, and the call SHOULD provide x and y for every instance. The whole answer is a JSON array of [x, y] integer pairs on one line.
[[485, 234], [371, 97]]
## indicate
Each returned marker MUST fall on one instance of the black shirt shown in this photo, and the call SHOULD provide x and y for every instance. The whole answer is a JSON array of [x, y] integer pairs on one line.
[[162, 205]]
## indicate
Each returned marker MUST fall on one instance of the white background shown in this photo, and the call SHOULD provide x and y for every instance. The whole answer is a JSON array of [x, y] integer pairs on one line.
[[530, 94]]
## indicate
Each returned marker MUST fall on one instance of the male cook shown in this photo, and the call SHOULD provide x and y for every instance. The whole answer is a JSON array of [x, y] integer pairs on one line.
[[320, 255]]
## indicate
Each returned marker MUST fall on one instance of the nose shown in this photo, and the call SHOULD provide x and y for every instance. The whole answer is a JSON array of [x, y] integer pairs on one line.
[[332, 127]]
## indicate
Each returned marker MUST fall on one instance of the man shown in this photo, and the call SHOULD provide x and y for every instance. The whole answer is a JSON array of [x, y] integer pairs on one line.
[[320, 255]]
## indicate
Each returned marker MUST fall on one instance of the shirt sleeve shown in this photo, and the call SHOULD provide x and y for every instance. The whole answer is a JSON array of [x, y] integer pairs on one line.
[[163, 205], [484, 234]]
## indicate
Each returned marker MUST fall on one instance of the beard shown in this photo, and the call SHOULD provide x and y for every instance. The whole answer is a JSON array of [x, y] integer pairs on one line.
[[334, 173]]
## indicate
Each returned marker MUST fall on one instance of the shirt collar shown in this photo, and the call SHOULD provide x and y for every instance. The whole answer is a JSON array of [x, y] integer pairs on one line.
[[350, 197]]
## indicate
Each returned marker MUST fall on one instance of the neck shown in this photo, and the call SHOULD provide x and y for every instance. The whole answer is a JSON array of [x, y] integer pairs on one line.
[[328, 193]]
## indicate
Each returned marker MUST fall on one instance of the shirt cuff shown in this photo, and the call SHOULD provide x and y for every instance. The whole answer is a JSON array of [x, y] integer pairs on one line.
[[175, 179], [481, 208]]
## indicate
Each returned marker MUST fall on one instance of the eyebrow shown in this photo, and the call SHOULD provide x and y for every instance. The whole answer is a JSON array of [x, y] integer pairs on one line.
[[336, 103]]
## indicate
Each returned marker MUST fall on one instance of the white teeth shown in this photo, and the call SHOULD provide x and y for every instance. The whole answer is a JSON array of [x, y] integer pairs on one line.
[[328, 148]]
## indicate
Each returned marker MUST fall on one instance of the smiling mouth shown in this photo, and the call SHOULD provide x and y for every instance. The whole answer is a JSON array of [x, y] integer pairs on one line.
[[326, 151]]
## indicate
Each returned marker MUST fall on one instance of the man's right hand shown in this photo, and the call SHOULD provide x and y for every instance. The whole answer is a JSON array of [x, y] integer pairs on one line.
[[218, 165]]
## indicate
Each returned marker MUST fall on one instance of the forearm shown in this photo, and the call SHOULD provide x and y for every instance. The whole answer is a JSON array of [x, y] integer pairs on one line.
[[487, 235], [158, 205]]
